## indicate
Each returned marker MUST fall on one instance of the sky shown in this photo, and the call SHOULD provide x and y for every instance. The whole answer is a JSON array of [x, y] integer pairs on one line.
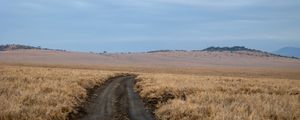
[[143, 25]]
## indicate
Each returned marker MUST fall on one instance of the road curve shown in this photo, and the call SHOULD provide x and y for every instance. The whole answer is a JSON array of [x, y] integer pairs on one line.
[[116, 101]]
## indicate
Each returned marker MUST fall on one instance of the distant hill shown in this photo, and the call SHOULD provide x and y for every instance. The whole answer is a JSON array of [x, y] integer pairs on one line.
[[240, 49], [230, 49], [289, 51], [16, 47], [244, 49], [212, 49], [9, 47], [141, 60]]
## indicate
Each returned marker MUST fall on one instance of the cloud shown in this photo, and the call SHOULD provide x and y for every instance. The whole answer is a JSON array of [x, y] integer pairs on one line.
[[150, 20], [210, 3], [54, 4], [31, 5], [80, 4], [195, 3]]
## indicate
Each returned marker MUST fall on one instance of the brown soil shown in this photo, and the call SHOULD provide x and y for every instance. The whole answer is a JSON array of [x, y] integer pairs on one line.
[[114, 101]]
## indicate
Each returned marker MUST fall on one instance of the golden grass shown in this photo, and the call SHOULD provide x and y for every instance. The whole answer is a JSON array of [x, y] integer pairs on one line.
[[36, 93], [52, 92], [192, 97], [260, 72]]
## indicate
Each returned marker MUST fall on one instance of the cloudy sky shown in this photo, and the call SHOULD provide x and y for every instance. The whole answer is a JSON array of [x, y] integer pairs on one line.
[[141, 25]]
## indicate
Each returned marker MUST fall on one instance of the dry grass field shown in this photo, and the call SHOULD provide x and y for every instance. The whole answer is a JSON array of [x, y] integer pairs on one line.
[[193, 97], [177, 85], [36, 93], [194, 60]]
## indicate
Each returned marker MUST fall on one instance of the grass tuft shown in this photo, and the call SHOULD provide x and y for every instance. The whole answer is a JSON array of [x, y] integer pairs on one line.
[[217, 97], [36, 93]]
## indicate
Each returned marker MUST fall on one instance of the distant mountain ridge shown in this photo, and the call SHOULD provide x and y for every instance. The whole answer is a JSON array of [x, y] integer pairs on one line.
[[289, 51]]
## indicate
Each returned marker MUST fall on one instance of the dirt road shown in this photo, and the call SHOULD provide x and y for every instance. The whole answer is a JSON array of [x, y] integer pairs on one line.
[[116, 101]]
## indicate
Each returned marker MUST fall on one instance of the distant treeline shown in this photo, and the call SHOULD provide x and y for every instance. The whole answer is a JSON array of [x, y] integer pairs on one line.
[[209, 49], [227, 49], [212, 49], [17, 47], [242, 48], [232, 49]]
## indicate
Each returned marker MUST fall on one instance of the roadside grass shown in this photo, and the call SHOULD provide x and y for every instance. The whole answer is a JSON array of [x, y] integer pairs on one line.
[[41, 93], [193, 97]]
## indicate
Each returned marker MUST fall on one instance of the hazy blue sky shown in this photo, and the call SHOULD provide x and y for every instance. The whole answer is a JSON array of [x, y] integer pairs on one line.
[[140, 25]]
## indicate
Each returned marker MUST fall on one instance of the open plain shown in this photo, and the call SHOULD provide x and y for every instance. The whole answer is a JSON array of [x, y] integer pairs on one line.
[[45, 84]]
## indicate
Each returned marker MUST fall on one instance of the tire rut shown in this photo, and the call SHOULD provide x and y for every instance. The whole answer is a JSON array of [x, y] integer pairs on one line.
[[116, 101]]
